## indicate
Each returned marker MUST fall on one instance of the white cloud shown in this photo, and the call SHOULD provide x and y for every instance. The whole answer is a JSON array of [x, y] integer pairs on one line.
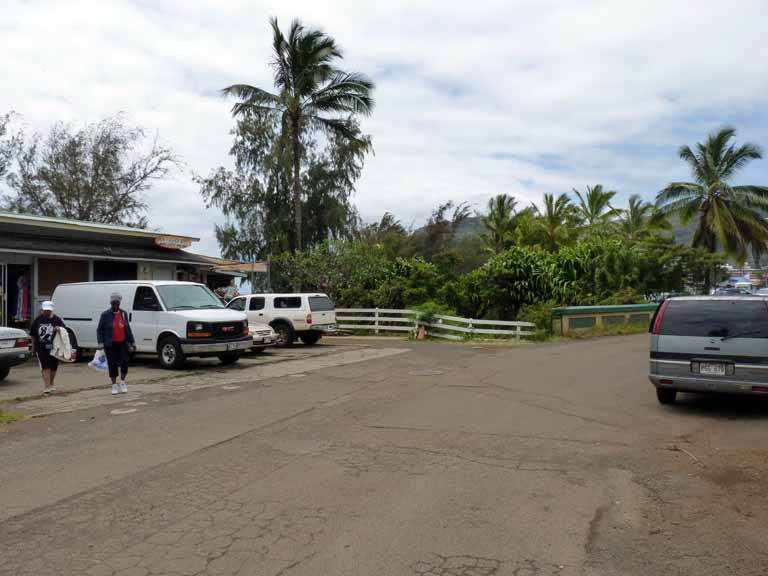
[[473, 99]]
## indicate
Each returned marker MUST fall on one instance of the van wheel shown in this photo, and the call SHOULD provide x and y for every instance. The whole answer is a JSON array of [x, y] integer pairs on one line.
[[310, 338], [666, 395], [228, 359], [285, 334], [169, 352]]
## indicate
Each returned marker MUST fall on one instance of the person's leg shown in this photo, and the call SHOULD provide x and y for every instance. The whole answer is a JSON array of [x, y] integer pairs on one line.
[[124, 359], [46, 379], [109, 352], [53, 371]]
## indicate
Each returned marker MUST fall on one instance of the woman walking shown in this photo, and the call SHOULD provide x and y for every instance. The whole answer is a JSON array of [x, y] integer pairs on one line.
[[43, 329], [115, 335]]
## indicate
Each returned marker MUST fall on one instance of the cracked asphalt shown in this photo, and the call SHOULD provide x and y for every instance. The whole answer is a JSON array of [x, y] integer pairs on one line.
[[418, 459]]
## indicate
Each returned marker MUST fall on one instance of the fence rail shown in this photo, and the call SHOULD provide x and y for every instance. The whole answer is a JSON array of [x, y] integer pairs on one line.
[[447, 327]]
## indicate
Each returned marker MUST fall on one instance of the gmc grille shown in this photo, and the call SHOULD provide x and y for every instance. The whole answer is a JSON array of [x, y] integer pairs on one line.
[[228, 330]]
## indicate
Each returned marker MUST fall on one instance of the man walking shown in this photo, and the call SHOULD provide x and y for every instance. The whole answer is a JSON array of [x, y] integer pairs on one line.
[[43, 330], [114, 334]]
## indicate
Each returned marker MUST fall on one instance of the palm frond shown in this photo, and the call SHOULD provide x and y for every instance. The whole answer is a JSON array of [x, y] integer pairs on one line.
[[677, 190]]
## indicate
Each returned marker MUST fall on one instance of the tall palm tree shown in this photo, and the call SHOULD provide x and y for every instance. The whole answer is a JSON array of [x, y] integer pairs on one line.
[[311, 94], [732, 217], [594, 206], [556, 222], [499, 222], [640, 219]]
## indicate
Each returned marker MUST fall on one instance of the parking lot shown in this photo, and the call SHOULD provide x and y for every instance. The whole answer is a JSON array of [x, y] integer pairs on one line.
[[25, 381], [393, 457]]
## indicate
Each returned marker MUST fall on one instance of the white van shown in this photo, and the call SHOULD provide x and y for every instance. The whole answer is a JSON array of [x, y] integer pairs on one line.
[[306, 316], [175, 320]]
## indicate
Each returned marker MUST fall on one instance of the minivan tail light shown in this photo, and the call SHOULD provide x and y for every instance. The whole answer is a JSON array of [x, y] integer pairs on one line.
[[309, 318], [23, 343], [659, 317]]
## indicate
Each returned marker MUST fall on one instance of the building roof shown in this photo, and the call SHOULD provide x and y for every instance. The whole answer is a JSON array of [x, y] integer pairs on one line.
[[80, 225], [107, 250]]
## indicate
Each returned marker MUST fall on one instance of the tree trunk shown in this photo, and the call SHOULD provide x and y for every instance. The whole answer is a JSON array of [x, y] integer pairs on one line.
[[296, 187], [296, 145]]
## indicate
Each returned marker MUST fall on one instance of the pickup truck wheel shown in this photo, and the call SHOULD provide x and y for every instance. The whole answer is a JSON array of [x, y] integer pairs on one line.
[[310, 338], [666, 395], [285, 335], [4, 371], [227, 359], [170, 354]]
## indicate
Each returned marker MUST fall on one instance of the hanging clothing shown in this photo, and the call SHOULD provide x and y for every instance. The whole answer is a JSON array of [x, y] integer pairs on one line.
[[22, 299]]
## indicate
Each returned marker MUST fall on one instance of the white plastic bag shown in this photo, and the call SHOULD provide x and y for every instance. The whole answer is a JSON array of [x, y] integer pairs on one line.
[[99, 361]]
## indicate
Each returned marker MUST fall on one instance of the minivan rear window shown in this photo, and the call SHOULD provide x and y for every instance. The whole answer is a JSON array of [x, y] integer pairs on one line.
[[716, 318], [321, 304]]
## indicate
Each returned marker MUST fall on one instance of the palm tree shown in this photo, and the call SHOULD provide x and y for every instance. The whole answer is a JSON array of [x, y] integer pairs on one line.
[[556, 222], [311, 94], [732, 217], [499, 222], [594, 206], [640, 219]]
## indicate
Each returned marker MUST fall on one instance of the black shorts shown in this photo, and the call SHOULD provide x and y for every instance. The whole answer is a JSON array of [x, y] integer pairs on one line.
[[47, 360]]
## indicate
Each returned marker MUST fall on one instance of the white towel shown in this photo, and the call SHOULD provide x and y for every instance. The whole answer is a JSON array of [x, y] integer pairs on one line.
[[62, 349]]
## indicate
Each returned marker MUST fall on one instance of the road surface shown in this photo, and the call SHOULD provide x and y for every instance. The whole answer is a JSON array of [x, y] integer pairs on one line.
[[428, 459]]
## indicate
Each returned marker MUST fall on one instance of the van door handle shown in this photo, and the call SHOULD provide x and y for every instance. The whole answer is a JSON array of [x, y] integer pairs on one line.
[[130, 316]]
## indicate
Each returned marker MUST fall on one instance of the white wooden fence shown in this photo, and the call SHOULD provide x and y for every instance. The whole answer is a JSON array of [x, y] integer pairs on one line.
[[449, 327]]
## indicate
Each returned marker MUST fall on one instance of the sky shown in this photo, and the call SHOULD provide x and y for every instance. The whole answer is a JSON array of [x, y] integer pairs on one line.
[[473, 99]]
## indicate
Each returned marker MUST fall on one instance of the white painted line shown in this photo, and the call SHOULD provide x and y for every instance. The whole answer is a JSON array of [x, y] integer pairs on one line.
[[118, 411]]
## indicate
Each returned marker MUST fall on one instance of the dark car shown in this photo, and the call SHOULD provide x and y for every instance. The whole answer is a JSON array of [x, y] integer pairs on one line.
[[709, 344]]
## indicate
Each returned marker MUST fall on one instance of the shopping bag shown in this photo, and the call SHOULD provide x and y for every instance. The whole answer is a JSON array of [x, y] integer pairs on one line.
[[99, 361]]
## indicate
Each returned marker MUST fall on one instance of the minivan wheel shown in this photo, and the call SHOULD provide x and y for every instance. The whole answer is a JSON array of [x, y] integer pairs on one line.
[[310, 338], [4, 371], [170, 354], [285, 334], [666, 395], [227, 359]]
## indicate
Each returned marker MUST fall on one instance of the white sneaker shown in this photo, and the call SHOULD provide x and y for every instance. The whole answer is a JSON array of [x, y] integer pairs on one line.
[[123, 388], [115, 389]]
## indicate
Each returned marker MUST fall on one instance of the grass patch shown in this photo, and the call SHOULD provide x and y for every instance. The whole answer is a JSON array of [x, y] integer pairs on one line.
[[607, 330], [7, 417]]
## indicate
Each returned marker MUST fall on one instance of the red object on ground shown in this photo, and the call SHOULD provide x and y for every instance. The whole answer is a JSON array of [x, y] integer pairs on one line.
[[422, 333]]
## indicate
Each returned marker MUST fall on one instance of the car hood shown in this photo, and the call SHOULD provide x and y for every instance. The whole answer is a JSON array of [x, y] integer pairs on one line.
[[258, 327], [211, 315]]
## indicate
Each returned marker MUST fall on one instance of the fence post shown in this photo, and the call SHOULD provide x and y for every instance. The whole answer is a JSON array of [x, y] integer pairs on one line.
[[517, 333], [471, 329], [376, 322]]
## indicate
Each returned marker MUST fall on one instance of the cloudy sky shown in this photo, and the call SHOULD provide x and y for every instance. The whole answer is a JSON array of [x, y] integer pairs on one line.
[[473, 98]]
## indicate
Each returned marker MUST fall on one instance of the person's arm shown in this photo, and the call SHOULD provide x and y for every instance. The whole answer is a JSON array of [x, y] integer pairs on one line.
[[100, 331], [32, 332]]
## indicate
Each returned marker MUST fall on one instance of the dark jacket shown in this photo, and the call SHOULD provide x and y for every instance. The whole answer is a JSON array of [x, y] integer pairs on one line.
[[104, 331]]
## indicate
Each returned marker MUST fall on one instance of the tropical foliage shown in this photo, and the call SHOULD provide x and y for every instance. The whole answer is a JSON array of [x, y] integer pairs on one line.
[[312, 95], [728, 217]]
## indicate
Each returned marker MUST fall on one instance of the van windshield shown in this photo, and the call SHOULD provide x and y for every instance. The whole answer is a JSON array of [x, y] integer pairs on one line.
[[320, 304], [188, 297], [716, 318]]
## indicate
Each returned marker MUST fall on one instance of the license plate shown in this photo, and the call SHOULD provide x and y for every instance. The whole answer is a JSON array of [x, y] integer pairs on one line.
[[7, 343], [230, 347], [267, 340], [712, 368]]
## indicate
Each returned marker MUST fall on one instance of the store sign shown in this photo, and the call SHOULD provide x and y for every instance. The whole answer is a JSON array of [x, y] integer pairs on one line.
[[175, 242]]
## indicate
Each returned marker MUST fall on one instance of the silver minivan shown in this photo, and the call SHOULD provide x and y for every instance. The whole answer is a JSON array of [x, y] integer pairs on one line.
[[709, 344]]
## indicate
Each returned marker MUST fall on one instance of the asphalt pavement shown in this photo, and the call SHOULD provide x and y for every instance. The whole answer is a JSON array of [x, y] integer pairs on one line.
[[394, 458]]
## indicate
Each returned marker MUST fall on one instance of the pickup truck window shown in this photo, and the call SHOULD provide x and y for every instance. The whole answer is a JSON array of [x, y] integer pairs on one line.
[[288, 302]]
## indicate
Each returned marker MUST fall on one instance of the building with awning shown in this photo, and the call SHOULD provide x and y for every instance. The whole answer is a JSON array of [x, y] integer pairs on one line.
[[38, 253]]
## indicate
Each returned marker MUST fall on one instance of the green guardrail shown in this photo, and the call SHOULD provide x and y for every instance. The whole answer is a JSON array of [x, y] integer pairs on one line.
[[568, 318]]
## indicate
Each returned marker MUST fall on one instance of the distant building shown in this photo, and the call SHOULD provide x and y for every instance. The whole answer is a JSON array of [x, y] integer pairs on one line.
[[39, 253]]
